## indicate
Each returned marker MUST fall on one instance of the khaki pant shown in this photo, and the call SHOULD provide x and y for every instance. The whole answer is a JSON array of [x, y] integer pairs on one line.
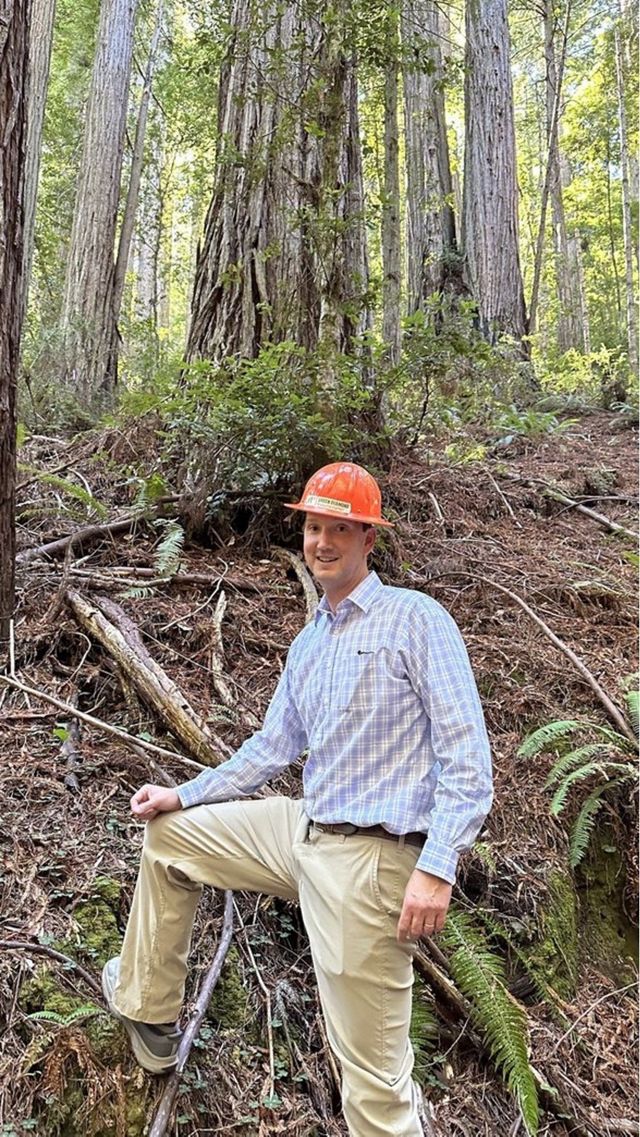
[[350, 891]]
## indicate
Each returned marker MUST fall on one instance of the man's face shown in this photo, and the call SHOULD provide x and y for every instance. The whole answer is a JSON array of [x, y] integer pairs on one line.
[[336, 553]]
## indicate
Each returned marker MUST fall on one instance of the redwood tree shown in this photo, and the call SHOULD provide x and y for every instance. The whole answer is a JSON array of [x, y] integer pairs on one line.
[[490, 202], [431, 237], [14, 23], [284, 253], [90, 336]]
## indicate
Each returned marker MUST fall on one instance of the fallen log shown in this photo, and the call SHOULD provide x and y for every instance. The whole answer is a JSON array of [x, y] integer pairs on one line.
[[106, 622], [162, 1119], [87, 536], [599, 518]]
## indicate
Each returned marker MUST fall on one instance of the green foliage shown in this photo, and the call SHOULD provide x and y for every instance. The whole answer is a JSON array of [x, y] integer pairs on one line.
[[166, 556], [78, 1014], [479, 974], [257, 424], [610, 756], [72, 489]]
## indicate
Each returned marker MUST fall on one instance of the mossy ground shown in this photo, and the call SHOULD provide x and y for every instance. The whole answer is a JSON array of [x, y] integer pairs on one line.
[[73, 1045]]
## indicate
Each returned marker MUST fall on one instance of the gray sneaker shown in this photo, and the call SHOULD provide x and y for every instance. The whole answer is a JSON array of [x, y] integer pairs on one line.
[[155, 1047]]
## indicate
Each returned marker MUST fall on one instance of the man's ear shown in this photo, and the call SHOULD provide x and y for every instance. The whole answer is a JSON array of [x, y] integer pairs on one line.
[[369, 539]]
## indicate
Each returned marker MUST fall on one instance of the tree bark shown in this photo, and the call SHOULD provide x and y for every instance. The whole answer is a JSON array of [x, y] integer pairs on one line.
[[90, 337], [630, 306], [490, 206], [40, 43], [569, 329], [131, 205], [284, 250], [431, 236], [552, 142], [391, 200], [14, 53]]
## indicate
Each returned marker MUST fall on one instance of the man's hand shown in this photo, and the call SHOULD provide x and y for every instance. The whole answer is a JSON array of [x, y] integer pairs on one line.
[[148, 802], [424, 911]]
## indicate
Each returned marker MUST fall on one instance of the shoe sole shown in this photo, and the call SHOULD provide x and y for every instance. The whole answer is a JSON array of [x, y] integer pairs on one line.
[[144, 1057]]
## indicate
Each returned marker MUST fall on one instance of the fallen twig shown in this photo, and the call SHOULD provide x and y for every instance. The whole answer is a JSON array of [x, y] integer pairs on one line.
[[308, 587], [161, 1120], [128, 739], [612, 710], [599, 518], [91, 533], [42, 949], [216, 661]]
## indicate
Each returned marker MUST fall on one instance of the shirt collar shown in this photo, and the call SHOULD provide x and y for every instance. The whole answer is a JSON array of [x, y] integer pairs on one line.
[[362, 596]]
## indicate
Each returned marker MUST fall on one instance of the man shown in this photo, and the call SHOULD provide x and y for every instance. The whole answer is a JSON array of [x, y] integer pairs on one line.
[[397, 783]]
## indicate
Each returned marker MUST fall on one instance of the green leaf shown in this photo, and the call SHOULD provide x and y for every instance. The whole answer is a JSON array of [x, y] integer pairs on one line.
[[480, 975], [547, 736]]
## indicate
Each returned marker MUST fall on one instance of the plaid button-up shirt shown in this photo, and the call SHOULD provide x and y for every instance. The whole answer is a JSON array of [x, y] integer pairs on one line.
[[382, 695]]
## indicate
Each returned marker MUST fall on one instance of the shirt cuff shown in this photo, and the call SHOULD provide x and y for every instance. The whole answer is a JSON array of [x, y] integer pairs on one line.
[[439, 859], [192, 793]]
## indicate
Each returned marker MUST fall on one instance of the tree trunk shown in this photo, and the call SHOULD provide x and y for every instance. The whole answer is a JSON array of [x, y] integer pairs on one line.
[[632, 322], [490, 209], [569, 329], [391, 201], [131, 205], [14, 50], [40, 42], [284, 250], [431, 238], [90, 337]]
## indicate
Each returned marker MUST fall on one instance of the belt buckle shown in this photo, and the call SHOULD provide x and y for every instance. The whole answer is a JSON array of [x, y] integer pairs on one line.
[[348, 828]]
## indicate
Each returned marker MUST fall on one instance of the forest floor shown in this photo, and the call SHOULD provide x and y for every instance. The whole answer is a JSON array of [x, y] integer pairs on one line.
[[475, 536]]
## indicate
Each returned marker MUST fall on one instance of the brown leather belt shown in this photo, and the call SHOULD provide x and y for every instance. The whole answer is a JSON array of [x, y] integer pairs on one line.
[[346, 829]]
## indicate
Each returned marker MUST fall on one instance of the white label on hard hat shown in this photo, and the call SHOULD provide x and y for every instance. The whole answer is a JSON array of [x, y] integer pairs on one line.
[[318, 502]]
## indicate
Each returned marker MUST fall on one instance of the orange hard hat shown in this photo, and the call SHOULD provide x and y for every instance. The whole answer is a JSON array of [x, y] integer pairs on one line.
[[345, 490]]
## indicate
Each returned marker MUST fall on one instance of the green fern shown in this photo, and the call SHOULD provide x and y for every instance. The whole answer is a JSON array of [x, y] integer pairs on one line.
[[574, 758], [559, 799], [547, 736], [542, 989], [166, 558], [480, 976], [586, 819], [86, 1011], [632, 700], [72, 489], [138, 592], [580, 763]]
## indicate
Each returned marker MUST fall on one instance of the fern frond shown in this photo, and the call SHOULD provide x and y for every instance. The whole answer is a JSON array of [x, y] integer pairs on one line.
[[581, 832], [498, 930], [75, 491], [166, 557], [548, 735], [480, 975], [138, 592], [559, 799], [574, 758], [86, 1011], [633, 710]]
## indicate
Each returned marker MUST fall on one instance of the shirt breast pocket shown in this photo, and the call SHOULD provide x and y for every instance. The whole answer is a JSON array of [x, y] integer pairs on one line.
[[364, 682]]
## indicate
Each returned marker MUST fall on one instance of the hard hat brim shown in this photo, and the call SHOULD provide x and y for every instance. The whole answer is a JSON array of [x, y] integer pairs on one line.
[[367, 520]]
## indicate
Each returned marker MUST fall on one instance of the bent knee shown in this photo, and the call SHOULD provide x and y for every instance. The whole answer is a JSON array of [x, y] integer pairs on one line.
[[158, 833]]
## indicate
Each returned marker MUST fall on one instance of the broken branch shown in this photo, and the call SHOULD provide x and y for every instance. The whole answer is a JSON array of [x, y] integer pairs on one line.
[[160, 1123]]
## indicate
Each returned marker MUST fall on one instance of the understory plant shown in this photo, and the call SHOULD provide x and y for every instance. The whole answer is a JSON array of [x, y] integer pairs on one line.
[[586, 751]]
